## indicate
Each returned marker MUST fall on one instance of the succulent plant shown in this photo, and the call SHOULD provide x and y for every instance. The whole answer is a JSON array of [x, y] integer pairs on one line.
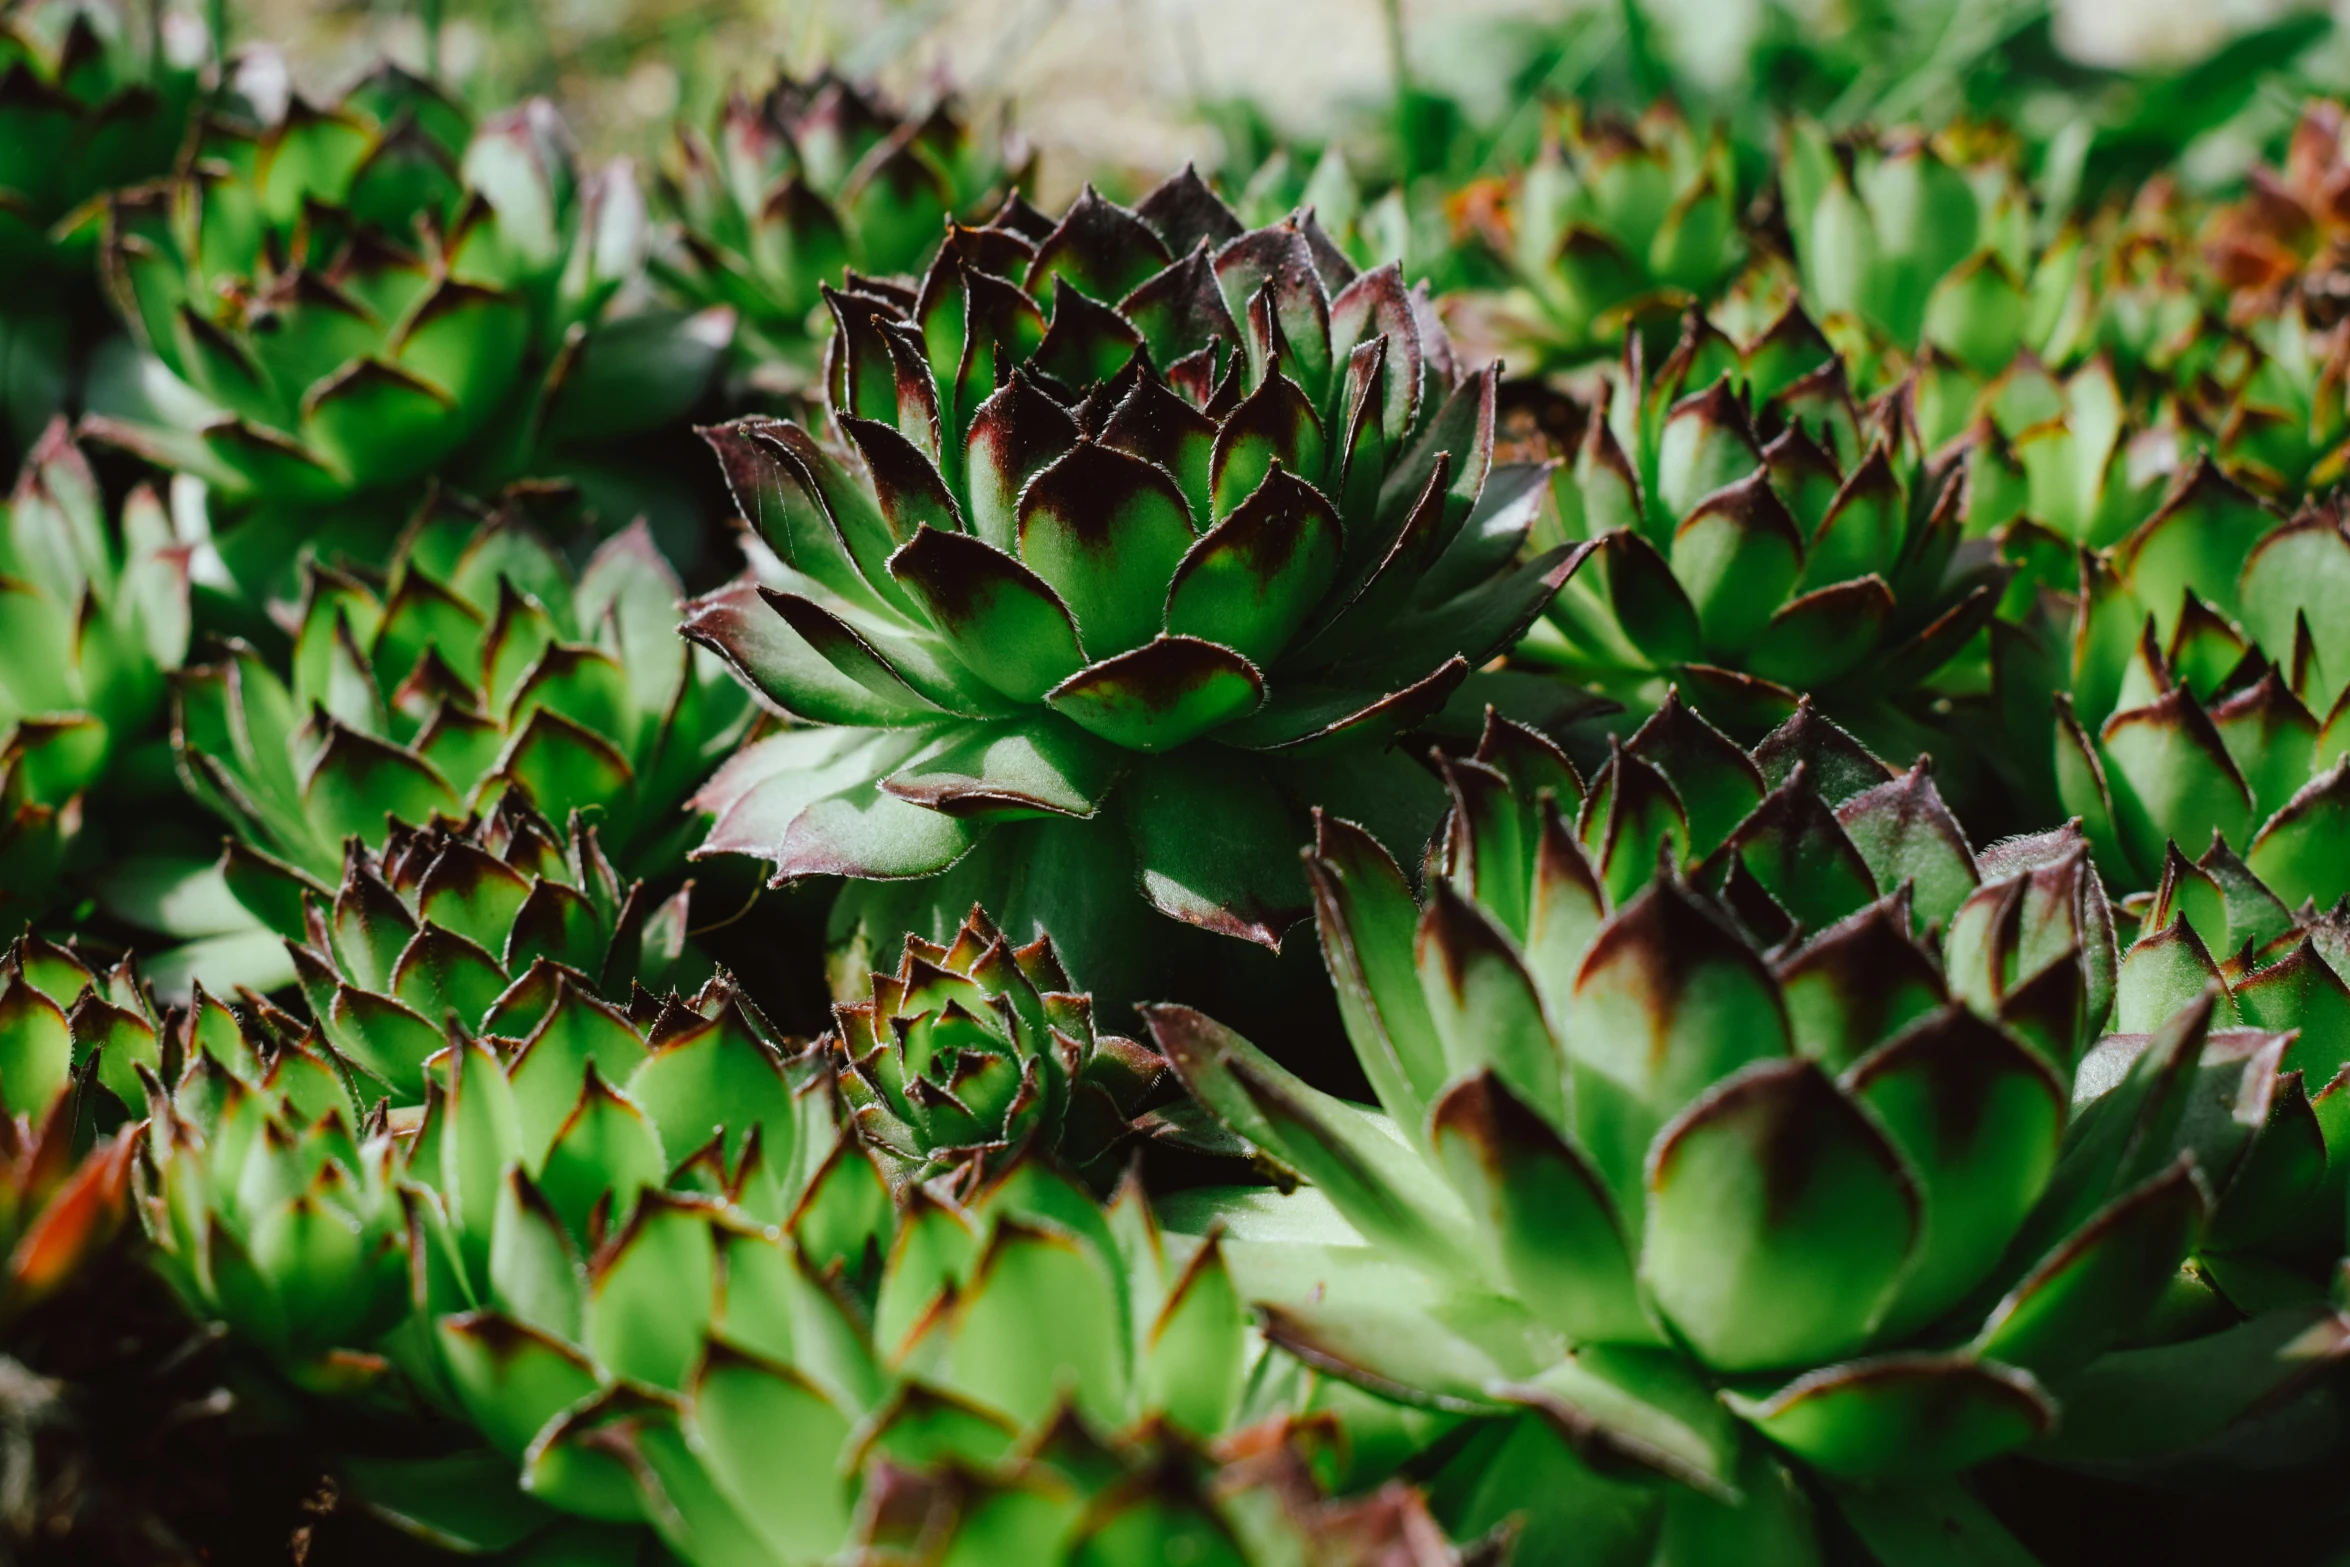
[[73, 1036], [1741, 524], [1920, 240], [95, 100], [482, 922], [2274, 403], [481, 665], [1615, 225], [2213, 934], [574, 1249], [295, 1195], [2280, 248], [1027, 1310], [96, 617], [342, 301], [1103, 602], [981, 1051], [2202, 695], [1706, 1211], [1067, 1496], [805, 183]]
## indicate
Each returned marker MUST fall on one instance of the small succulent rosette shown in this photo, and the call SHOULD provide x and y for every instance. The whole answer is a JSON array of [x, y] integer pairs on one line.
[[978, 1051], [1617, 225], [337, 303], [807, 183], [2204, 691], [1744, 524]]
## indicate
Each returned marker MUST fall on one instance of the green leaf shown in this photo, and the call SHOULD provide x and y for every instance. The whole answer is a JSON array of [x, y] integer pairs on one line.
[[1017, 432], [1359, 1161], [1780, 1220], [1105, 530], [1632, 821], [715, 1075], [2171, 778], [2302, 851], [549, 1071], [1857, 984], [1041, 765], [465, 1502], [1251, 581], [1668, 1003], [999, 617], [1398, 1354], [1977, 1118], [1039, 1321], [1736, 556], [1483, 1002], [36, 1050], [441, 976], [1194, 1352], [604, 1154], [1213, 841], [1160, 694], [1368, 922], [2084, 1296], [1543, 1211], [535, 1274], [752, 1422], [1907, 835], [384, 1038], [864, 832], [1824, 634], [652, 1293], [2161, 1401], [480, 1138], [1902, 1416], [357, 782], [2199, 539], [1796, 850], [1717, 784]]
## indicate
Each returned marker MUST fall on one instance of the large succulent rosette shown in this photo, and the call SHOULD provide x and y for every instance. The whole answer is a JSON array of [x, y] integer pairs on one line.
[[1129, 537], [90, 98], [341, 301], [94, 617], [789, 190], [1688, 1210]]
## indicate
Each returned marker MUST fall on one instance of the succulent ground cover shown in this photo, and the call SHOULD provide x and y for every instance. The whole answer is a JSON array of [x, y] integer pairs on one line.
[[1793, 667]]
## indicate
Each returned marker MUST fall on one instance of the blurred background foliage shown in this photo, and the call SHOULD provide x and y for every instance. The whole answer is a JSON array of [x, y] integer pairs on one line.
[[1123, 91]]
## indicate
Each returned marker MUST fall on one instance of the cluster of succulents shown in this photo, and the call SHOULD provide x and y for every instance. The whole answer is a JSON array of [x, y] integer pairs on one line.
[[644, 828], [1693, 1213]]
